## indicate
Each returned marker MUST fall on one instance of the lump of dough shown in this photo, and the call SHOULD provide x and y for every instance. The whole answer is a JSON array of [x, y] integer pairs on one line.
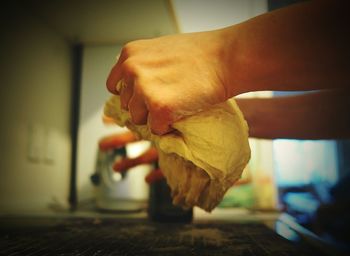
[[203, 157]]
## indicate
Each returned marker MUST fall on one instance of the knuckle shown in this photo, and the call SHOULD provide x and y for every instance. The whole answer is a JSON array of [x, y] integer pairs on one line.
[[128, 65], [131, 67], [160, 109], [160, 118], [128, 49], [138, 110], [157, 130], [140, 84], [131, 48]]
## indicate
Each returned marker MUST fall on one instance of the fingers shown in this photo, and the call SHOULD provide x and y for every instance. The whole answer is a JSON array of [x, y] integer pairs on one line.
[[160, 120], [115, 74], [120, 70], [132, 100], [159, 127], [125, 95], [137, 108], [124, 80], [113, 78]]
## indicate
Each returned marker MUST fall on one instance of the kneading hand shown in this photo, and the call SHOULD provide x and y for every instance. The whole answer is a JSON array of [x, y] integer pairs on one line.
[[167, 78]]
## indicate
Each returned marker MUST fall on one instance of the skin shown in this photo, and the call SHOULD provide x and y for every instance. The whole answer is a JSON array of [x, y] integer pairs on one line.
[[166, 83], [301, 47], [313, 115]]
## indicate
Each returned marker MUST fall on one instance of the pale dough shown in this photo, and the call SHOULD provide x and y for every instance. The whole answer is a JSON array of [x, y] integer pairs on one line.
[[203, 158]]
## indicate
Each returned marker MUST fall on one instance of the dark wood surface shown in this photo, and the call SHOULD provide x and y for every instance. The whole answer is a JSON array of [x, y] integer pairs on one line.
[[91, 236]]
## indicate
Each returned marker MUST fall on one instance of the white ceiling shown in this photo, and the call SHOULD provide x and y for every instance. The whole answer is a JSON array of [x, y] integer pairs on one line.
[[106, 21]]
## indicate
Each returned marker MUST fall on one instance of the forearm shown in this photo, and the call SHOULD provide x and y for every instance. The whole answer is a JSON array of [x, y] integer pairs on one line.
[[322, 115], [302, 47]]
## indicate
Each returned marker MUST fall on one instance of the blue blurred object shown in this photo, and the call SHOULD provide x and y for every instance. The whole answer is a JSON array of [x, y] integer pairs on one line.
[[301, 202]]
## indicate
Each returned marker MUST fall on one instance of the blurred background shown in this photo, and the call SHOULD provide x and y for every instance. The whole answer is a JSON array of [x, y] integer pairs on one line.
[[55, 58]]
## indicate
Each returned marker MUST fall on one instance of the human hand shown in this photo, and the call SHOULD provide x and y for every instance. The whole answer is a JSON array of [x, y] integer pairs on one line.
[[167, 78], [122, 165]]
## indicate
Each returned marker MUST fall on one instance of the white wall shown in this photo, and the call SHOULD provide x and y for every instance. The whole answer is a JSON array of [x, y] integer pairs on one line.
[[203, 15], [35, 82], [97, 61]]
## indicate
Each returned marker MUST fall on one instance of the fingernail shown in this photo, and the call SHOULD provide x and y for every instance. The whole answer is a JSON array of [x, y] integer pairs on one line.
[[120, 86]]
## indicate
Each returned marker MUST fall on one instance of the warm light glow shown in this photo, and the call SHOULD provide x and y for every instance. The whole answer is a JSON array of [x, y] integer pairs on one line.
[[137, 148]]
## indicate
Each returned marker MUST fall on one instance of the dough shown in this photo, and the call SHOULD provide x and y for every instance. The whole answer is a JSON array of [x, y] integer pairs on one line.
[[203, 157]]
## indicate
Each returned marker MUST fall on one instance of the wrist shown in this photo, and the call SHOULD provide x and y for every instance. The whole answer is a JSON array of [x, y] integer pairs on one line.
[[234, 62]]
